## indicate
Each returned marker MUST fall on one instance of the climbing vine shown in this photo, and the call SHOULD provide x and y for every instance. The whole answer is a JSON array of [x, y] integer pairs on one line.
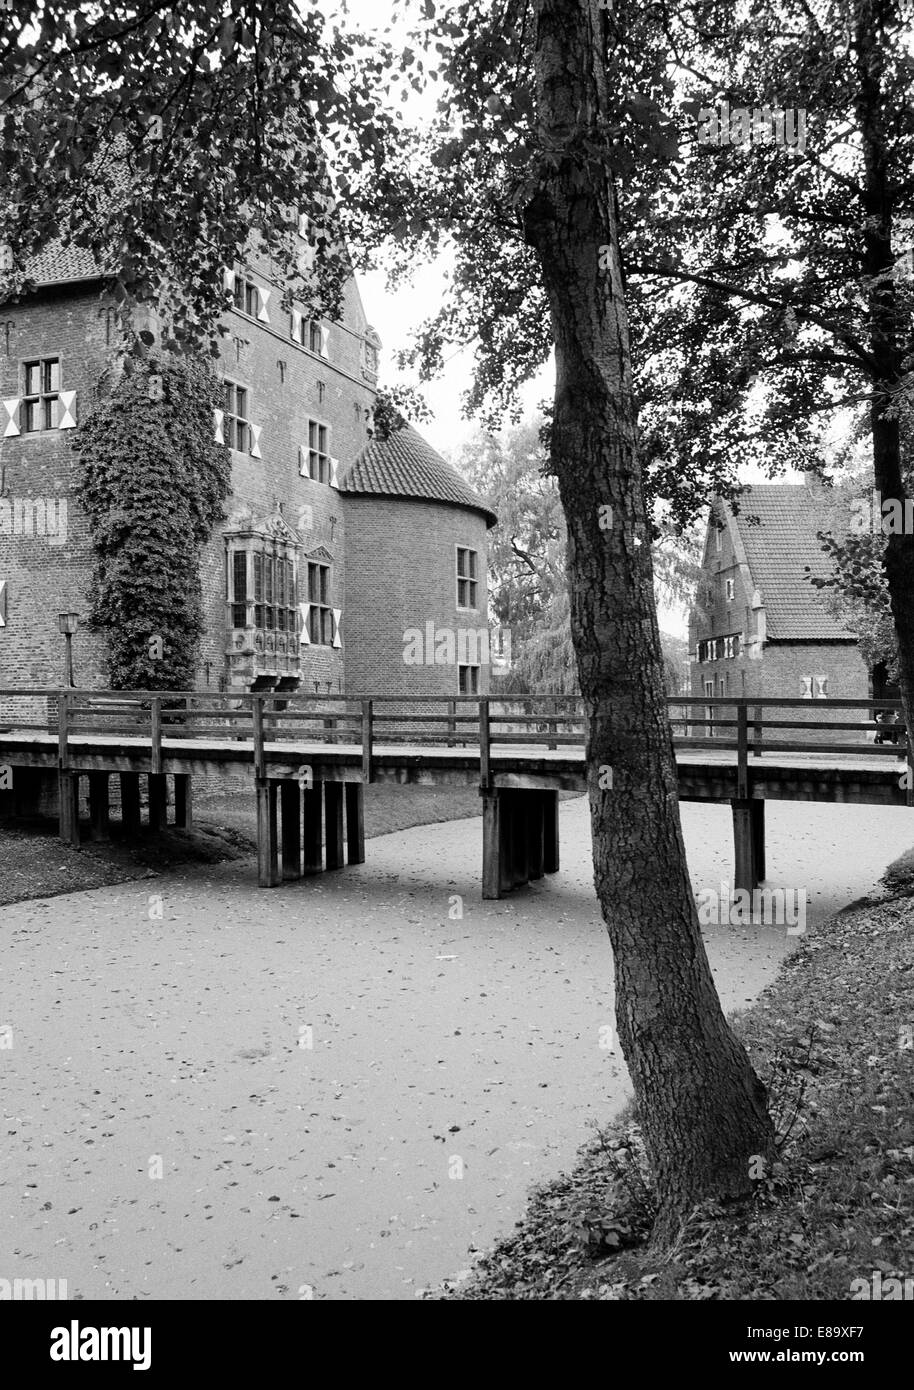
[[152, 482]]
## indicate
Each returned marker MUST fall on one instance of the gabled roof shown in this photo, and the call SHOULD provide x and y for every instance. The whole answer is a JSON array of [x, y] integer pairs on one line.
[[778, 548], [405, 465]]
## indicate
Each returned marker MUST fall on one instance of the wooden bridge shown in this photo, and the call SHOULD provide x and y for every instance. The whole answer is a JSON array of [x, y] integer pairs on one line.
[[308, 759]]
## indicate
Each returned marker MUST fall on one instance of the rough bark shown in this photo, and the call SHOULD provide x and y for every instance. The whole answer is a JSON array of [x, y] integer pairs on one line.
[[885, 329], [702, 1108]]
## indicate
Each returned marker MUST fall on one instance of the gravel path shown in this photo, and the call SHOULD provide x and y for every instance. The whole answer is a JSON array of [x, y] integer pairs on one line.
[[440, 1046]]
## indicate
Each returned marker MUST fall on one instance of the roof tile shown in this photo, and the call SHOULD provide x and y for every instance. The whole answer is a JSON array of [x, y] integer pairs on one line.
[[778, 549], [405, 465]]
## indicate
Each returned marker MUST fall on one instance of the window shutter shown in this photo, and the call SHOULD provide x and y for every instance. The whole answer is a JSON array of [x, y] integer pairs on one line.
[[2, 603], [334, 473], [325, 340], [219, 420], [337, 618], [264, 297], [11, 407], [821, 687], [303, 461], [296, 325], [67, 411], [255, 441], [305, 611], [806, 692], [228, 280]]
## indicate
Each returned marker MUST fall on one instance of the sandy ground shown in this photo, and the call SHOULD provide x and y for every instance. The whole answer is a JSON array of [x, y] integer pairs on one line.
[[452, 1062]]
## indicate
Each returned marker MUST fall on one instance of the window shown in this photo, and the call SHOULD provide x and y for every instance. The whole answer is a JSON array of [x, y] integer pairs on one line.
[[370, 357], [718, 539], [40, 401], [317, 465], [261, 588], [315, 336], [237, 426], [468, 680], [467, 581], [729, 590], [320, 616], [250, 298]]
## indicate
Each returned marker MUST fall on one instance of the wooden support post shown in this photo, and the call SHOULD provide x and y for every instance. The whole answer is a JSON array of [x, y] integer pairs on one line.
[[333, 806], [506, 879], [184, 812], [355, 822], [158, 801], [367, 738], [520, 871], [68, 793], [491, 844], [67, 781], [290, 804], [550, 832], [98, 806], [535, 826], [268, 871], [758, 839], [130, 804], [313, 807], [744, 873]]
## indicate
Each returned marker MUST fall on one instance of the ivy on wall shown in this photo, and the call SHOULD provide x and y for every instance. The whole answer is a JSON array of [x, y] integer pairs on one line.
[[153, 482]]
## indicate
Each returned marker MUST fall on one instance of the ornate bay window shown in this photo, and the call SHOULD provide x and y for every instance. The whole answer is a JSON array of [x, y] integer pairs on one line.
[[262, 615]]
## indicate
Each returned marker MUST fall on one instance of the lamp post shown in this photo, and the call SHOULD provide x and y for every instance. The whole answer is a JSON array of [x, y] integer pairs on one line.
[[68, 623]]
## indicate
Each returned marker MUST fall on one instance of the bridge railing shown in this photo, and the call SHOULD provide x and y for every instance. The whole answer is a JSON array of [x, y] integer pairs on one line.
[[750, 726]]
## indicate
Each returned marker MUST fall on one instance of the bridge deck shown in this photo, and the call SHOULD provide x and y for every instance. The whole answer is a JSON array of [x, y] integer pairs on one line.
[[704, 774]]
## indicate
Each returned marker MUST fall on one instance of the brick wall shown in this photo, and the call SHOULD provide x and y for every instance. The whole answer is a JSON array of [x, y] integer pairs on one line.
[[402, 576], [45, 573]]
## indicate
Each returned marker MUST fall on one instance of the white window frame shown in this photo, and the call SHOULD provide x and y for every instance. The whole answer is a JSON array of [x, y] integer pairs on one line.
[[466, 579]]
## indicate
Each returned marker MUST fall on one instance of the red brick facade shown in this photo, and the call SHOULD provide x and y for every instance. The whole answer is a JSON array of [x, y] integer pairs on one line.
[[389, 559], [738, 647]]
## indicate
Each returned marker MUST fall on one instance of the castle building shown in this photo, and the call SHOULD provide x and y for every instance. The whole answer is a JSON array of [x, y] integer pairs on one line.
[[336, 544], [758, 627]]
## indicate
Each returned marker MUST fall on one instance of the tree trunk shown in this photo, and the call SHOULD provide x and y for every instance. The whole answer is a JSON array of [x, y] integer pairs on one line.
[[702, 1108], [885, 328]]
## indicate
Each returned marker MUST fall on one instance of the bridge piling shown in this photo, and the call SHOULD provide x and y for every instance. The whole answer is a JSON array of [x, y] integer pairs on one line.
[[184, 819], [99, 805], [312, 799], [491, 845], [333, 807], [130, 804], [268, 870], [550, 832], [158, 801], [355, 822], [68, 795], [745, 822], [535, 829], [290, 806]]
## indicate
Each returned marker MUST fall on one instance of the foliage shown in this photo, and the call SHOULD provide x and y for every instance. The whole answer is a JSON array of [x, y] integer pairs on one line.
[[528, 576], [838, 1202], [153, 483], [157, 136]]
